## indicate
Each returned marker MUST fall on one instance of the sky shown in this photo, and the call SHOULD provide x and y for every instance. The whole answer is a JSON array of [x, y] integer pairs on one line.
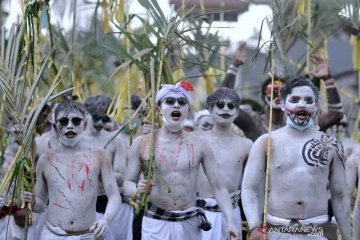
[[247, 25]]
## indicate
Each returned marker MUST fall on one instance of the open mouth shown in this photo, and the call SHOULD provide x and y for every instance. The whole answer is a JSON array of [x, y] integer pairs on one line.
[[277, 101], [225, 115], [302, 114], [70, 134], [98, 127], [175, 114]]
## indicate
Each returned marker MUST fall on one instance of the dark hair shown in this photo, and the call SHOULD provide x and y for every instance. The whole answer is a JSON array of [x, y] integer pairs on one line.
[[222, 93], [297, 82], [257, 107], [266, 83], [97, 105], [69, 106], [135, 101]]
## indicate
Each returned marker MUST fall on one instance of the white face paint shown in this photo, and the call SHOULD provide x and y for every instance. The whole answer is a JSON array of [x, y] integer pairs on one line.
[[174, 114], [300, 107], [224, 111], [70, 127], [206, 123]]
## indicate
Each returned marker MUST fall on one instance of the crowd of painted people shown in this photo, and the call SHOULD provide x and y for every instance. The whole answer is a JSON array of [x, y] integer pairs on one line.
[[211, 173]]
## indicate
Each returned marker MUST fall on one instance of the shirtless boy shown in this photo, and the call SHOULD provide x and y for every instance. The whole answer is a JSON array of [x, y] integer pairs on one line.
[[231, 151], [69, 178]]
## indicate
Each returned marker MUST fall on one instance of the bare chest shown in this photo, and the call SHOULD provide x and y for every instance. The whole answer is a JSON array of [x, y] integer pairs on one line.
[[177, 156], [72, 172], [309, 155]]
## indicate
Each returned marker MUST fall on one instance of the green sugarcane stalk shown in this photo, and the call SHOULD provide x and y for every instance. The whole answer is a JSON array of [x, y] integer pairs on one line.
[[151, 154], [9, 173]]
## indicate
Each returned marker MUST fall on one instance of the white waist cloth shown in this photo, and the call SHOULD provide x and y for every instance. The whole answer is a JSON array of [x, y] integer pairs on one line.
[[56, 233], [282, 221], [153, 229]]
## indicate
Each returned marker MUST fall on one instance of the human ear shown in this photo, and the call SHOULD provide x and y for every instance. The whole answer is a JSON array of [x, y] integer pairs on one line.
[[158, 110]]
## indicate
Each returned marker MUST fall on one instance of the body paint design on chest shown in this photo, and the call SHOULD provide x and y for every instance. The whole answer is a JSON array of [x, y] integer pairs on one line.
[[316, 152]]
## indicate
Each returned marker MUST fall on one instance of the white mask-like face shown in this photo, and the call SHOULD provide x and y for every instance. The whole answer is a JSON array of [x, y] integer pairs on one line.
[[206, 123], [70, 127], [300, 107], [224, 111], [276, 103], [174, 109]]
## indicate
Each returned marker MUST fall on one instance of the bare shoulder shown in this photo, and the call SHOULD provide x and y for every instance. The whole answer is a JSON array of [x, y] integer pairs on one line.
[[244, 141], [327, 141], [331, 140], [99, 152], [122, 140], [141, 140], [198, 135], [264, 138], [353, 159], [45, 158]]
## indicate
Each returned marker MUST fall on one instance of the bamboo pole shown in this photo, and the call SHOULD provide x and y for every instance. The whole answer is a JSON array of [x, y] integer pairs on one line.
[[222, 50], [151, 153], [268, 150], [308, 46]]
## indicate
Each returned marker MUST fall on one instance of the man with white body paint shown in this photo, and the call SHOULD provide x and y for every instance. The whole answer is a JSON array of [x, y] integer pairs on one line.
[[231, 151], [178, 156], [352, 174], [68, 179], [303, 162], [117, 151]]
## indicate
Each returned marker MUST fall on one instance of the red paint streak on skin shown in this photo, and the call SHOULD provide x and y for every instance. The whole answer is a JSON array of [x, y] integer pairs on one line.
[[162, 156], [61, 193], [87, 170], [192, 153], [58, 205], [69, 185], [144, 143], [82, 186], [177, 155]]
